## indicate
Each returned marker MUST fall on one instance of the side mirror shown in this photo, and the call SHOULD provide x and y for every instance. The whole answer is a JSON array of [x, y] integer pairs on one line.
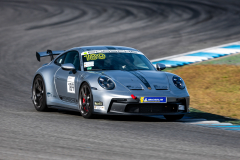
[[68, 67], [160, 66]]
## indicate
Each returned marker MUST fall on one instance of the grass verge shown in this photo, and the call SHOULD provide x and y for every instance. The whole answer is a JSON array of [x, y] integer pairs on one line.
[[214, 88]]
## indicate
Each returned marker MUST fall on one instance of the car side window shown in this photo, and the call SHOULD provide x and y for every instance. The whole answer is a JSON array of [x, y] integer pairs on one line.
[[73, 57], [60, 60]]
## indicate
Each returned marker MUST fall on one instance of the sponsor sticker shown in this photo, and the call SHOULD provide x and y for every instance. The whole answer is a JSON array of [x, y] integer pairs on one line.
[[153, 100], [93, 57], [88, 64], [108, 51], [71, 84], [99, 107]]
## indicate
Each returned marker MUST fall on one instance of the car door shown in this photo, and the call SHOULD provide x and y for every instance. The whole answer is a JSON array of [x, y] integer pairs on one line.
[[66, 81]]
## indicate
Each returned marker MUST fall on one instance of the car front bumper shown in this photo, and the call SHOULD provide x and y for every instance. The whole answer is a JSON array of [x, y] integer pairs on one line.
[[133, 107], [114, 105]]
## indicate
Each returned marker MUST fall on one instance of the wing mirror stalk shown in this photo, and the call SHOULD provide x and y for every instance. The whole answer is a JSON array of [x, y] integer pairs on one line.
[[160, 66], [69, 67]]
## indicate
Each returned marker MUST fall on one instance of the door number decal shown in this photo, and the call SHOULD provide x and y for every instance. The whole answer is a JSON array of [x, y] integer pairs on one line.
[[71, 84]]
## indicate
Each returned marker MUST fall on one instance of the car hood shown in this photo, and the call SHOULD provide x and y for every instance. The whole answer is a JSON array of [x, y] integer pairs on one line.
[[140, 80]]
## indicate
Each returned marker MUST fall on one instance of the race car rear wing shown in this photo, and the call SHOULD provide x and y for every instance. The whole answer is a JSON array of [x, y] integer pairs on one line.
[[47, 53]]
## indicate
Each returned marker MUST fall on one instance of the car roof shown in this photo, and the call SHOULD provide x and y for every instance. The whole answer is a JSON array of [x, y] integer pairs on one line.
[[107, 47]]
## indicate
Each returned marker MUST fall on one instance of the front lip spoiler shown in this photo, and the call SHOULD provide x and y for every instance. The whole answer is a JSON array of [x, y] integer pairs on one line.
[[142, 114]]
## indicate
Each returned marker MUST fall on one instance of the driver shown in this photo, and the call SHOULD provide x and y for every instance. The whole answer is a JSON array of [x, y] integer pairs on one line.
[[128, 63]]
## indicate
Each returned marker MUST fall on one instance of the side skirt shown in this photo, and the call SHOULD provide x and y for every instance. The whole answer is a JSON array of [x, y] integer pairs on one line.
[[63, 108]]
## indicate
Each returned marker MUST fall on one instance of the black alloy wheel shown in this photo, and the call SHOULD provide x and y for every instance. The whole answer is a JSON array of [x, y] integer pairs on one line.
[[38, 94], [86, 101], [173, 117]]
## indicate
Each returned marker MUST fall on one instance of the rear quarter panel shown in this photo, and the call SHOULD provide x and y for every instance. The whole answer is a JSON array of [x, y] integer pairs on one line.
[[47, 72]]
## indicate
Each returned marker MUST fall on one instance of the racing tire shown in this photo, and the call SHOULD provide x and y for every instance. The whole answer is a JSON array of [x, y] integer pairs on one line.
[[173, 117], [86, 101], [39, 94]]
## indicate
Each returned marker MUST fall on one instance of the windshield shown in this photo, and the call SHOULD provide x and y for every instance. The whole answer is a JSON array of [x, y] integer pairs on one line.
[[116, 61]]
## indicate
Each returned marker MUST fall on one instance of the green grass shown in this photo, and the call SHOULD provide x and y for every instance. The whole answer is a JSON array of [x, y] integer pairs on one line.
[[226, 77]]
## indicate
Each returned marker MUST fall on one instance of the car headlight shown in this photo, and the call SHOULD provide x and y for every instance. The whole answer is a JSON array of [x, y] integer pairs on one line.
[[178, 82], [106, 83]]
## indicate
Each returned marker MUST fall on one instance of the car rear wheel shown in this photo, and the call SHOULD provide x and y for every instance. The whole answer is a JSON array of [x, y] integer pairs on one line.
[[38, 94], [86, 101], [173, 117]]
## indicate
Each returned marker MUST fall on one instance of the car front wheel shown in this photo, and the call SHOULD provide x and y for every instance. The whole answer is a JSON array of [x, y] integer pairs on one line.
[[86, 101]]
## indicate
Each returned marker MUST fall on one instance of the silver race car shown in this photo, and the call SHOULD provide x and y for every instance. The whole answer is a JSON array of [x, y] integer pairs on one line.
[[110, 80]]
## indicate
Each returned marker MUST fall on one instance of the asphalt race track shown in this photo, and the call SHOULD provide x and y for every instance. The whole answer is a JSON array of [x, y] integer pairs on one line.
[[157, 28]]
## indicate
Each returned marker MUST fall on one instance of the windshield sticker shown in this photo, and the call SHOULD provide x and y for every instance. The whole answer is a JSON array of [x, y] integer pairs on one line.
[[70, 84], [88, 64], [109, 51], [93, 57]]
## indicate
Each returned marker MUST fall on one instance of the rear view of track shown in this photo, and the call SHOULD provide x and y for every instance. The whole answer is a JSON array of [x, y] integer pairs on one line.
[[157, 28]]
